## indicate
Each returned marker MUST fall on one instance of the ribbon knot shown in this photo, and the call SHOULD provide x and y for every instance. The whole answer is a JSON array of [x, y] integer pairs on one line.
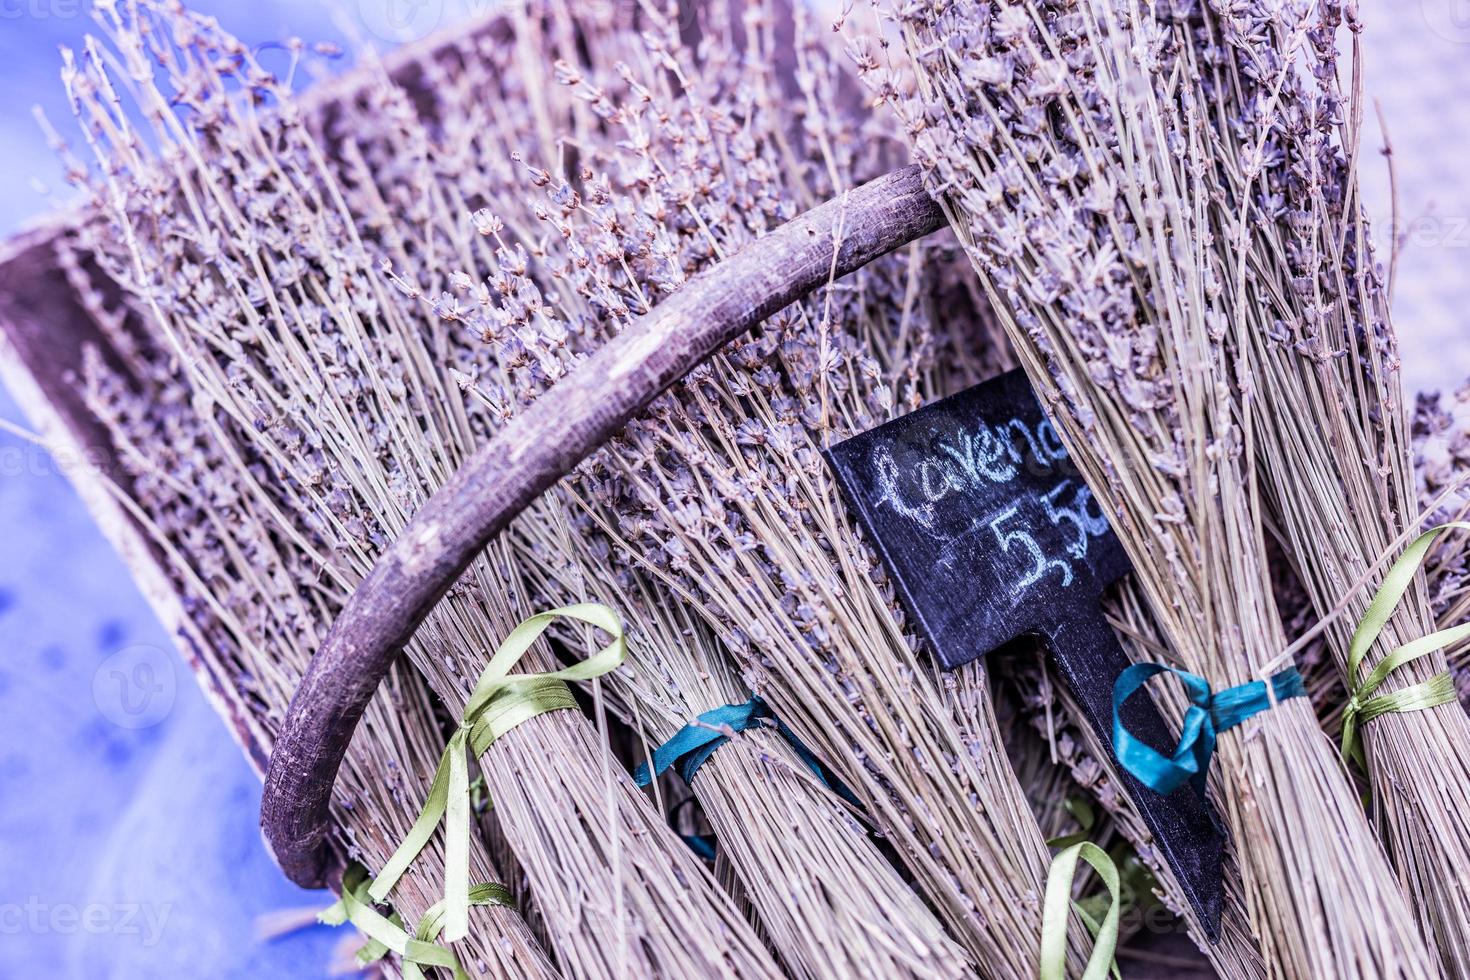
[[691, 746], [1209, 714], [385, 933], [1364, 703], [499, 702]]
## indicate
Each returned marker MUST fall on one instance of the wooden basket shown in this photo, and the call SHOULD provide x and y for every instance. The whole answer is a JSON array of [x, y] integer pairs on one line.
[[44, 329]]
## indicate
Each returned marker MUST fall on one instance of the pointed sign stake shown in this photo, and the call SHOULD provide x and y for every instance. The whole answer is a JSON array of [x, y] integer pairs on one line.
[[990, 533]]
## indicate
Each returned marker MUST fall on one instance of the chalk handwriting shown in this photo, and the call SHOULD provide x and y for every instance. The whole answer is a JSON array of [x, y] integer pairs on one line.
[[1028, 543], [964, 461], [888, 492], [976, 459]]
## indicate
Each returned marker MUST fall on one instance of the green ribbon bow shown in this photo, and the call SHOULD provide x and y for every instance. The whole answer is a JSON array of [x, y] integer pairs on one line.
[[1364, 704], [499, 702], [1059, 879], [386, 933]]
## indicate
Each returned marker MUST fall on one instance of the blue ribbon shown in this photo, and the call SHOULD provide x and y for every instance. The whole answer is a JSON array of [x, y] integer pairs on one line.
[[1208, 715], [691, 746], [703, 845]]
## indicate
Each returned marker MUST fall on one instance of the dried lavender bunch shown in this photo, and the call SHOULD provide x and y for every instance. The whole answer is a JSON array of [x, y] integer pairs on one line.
[[1071, 165], [1074, 745], [258, 604], [238, 244], [1311, 326], [826, 897], [807, 850]]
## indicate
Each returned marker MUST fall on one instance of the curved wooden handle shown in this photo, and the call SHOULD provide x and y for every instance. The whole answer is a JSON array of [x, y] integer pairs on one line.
[[534, 450]]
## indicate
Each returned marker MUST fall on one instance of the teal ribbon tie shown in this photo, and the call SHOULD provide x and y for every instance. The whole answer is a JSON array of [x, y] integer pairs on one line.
[[703, 845], [1208, 715], [691, 746]]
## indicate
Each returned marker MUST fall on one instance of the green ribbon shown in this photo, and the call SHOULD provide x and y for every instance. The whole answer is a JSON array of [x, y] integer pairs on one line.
[[1364, 704], [1058, 904], [499, 702], [1085, 818], [386, 934], [432, 923]]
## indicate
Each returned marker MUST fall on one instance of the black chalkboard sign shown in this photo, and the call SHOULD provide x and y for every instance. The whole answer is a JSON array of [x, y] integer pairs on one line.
[[990, 533]]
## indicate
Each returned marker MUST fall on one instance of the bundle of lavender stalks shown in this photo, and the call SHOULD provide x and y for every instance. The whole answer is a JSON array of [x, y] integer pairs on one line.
[[794, 845], [1154, 210], [256, 260]]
